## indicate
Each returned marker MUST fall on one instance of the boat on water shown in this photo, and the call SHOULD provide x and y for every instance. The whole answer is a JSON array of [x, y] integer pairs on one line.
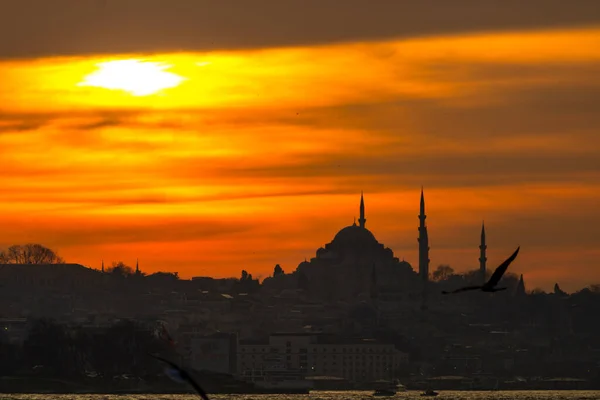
[[283, 387], [429, 393], [281, 390], [387, 388], [384, 392]]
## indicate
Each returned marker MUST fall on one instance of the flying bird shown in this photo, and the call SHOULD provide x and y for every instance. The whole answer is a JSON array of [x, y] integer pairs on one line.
[[179, 374], [490, 285]]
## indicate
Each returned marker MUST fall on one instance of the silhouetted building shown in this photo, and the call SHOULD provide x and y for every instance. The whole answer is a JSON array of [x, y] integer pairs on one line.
[[216, 353], [558, 290], [344, 268], [374, 284], [52, 276], [520, 289], [138, 272], [305, 354]]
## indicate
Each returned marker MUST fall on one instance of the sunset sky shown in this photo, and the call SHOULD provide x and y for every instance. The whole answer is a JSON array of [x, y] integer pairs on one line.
[[209, 138]]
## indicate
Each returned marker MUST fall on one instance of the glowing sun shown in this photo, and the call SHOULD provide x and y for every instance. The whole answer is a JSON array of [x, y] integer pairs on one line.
[[140, 78]]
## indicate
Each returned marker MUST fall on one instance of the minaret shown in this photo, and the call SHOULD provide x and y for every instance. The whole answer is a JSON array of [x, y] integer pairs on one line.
[[362, 220], [423, 251], [482, 255], [102, 266], [137, 266], [520, 289], [423, 243]]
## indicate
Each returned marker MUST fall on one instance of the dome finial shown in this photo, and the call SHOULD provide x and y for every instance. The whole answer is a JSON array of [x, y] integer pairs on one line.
[[362, 220]]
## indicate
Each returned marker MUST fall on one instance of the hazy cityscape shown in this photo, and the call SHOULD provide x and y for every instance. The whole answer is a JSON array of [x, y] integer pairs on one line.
[[353, 317]]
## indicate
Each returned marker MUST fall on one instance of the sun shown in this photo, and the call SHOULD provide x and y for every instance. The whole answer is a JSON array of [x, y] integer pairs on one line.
[[139, 78]]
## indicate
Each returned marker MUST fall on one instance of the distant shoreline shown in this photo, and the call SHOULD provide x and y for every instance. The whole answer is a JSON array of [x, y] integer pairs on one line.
[[30, 385], [174, 392]]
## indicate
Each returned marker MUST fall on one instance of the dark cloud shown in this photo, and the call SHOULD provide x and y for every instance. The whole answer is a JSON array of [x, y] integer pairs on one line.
[[75, 120], [15, 127], [15, 121], [573, 227], [565, 101], [106, 122], [526, 112], [116, 195], [33, 28], [73, 232], [80, 131], [96, 119], [22, 122], [439, 170]]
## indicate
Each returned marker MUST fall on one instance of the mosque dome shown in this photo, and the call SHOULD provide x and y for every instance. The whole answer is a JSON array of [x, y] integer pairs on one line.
[[354, 234]]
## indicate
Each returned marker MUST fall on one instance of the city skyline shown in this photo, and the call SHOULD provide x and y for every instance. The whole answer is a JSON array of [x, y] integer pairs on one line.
[[234, 151], [422, 267]]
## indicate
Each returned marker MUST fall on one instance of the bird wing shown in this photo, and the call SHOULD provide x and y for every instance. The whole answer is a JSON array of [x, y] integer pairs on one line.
[[195, 385], [497, 275], [172, 364], [185, 375], [463, 289]]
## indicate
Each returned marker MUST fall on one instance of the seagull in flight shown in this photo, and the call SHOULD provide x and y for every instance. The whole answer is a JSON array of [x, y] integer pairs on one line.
[[179, 374], [490, 285]]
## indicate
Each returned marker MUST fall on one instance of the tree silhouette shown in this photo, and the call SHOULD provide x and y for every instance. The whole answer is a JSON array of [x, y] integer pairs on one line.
[[120, 269], [278, 270], [442, 273], [246, 284], [9, 354], [52, 350], [509, 280], [123, 348], [49, 347], [31, 253], [171, 276]]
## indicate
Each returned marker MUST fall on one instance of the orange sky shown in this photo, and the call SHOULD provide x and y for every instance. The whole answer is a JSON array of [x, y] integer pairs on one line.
[[257, 157]]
